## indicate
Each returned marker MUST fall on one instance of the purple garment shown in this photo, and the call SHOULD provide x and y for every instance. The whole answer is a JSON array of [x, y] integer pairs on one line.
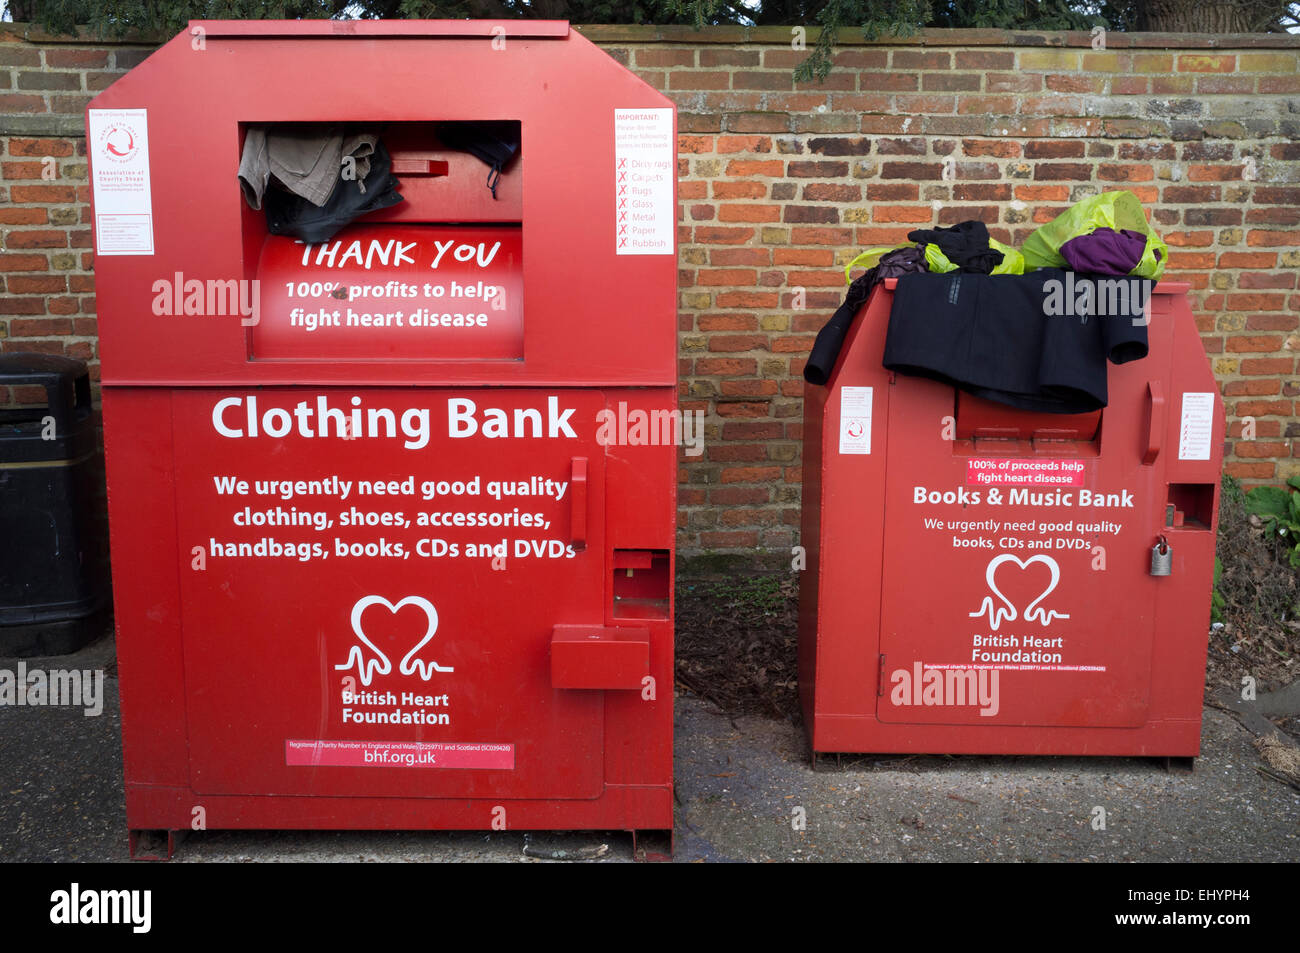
[[1105, 251]]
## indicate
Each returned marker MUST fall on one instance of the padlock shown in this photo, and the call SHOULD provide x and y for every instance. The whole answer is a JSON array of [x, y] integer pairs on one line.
[[1162, 558]]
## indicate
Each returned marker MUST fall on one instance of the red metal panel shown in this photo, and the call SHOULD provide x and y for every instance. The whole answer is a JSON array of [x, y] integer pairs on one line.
[[1093, 654], [599, 657]]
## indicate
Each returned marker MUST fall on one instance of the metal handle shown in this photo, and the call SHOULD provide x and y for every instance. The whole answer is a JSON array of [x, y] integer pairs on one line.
[[404, 165], [1155, 422], [578, 503]]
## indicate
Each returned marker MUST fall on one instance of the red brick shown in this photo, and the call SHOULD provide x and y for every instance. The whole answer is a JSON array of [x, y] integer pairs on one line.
[[1261, 237], [24, 216], [901, 213], [749, 212], [893, 192], [74, 59], [37, 284], [1272, 322], [716, 235], [1058, 171], [40, 147], [1258, 279], [735, 190], [731, 366], [930, 171], [1250, 471], [729, 540], [1054, 149], [740, 256], [1262, 408], [1000, 148], [694, 145], [829, 192], [726, 276], [1240, 302], [817, 170], [24, 263], [736, 495], [1260, 448], [1205, 63], [804, 256], [44, 194], [1233, 259], [747, 168], [1267, 365], [39, 327], [1251, 388], [742, 409], [737, 342], [747, 299], [732, 144], [36, 239], [18, 103], [821, 236], [1125, 173], [737, 453]]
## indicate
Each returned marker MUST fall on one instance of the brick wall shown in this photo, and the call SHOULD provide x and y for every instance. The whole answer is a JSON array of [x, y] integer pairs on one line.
[[782, 183]]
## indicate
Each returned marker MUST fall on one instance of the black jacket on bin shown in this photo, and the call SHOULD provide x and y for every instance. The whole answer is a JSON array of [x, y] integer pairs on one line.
[[1017, 339]]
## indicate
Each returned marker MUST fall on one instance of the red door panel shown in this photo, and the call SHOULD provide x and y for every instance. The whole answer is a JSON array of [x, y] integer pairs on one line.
[[373, 614]]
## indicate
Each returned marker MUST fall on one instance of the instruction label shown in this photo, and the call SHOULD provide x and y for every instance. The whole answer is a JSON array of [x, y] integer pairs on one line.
[[1196, 430], [118, 140], [855, 420], [645, 161]]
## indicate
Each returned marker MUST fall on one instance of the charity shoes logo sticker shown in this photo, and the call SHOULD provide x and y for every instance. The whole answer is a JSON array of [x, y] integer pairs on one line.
[[1007, 611], [369, 660], [119, 142]]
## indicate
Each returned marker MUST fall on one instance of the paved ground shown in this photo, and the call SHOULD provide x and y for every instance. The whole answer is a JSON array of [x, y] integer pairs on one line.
[[742, 787]]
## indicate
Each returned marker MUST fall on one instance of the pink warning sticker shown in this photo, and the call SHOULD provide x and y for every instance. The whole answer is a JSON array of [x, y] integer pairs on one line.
[[399, 754], [1024, 472]]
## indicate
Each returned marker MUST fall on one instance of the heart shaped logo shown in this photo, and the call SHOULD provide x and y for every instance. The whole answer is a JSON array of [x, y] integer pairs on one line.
[[1007, 611], [369, 660]]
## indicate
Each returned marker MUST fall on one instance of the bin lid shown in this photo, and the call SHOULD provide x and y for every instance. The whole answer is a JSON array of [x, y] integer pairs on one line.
[[29, 367], [272, 29]]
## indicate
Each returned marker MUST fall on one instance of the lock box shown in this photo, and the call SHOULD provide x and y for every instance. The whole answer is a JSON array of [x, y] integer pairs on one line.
[[986, 580], [381, 558]]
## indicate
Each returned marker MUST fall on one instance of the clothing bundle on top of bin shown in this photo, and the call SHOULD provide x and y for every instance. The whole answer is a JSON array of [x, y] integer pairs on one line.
[[1040, 341]]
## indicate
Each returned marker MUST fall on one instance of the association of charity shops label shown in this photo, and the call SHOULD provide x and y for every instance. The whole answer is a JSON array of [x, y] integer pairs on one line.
[[645, 170], [855, 420], [118, 142]]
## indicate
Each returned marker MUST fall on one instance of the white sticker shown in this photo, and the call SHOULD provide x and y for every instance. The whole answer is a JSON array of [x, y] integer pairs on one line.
[[855, 420], [1197, 428], [118, 140], [645, 169]]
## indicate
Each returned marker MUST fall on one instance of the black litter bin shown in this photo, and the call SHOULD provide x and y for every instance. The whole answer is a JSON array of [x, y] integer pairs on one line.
[[53, 592]]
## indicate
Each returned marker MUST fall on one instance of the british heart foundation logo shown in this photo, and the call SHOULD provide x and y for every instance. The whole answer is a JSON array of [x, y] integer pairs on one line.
[[1007, 611], [370, 655]]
